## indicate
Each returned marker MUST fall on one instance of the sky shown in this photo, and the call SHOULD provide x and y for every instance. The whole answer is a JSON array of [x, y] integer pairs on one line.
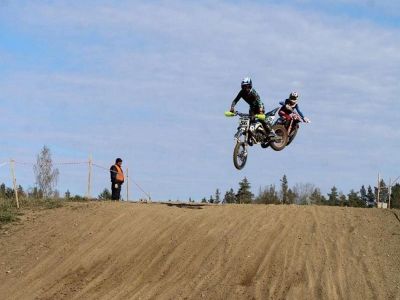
[[149, 81]]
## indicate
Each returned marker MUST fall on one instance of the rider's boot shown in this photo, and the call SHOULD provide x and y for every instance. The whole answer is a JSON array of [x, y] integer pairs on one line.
[[272, 134]]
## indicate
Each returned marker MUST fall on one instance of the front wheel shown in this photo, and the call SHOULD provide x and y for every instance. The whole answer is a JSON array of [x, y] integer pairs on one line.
[[281, 139], [240, 155]]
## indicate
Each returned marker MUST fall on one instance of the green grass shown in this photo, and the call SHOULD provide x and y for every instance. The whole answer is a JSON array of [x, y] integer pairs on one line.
[[50, 203], [77, 199], [9, 212]]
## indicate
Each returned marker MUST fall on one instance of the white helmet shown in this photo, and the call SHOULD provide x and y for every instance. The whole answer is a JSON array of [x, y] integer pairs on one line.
[[293, 96], [246, 82]]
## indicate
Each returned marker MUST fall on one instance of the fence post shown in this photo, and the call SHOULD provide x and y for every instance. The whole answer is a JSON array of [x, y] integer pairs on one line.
[[390, 190], [12, 167], [127, 184], [89, 177], [378, 191]]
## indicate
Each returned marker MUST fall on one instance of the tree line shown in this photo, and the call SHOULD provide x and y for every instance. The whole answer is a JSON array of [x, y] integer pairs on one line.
[[46, 180], [306, 194]]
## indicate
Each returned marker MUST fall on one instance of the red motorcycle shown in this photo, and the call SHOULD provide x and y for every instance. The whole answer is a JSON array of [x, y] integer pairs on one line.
[[292, 125]]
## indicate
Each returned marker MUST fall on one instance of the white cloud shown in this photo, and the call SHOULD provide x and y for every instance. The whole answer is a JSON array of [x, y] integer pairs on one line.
[[151, 81]]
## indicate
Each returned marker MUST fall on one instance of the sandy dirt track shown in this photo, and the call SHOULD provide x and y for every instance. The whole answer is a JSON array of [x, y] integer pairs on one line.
[[153, 251]]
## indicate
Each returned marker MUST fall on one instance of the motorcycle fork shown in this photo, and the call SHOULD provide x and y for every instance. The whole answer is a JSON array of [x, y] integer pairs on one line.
[[244, 132], [247, 133], [290, 126]]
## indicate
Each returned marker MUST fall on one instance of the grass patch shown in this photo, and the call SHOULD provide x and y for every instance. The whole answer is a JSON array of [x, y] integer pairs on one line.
[[41, 203], [8, 213], [78, 198]]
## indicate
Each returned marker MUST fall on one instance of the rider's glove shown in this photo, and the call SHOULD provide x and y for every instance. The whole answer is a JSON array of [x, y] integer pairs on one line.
[[307, 120]]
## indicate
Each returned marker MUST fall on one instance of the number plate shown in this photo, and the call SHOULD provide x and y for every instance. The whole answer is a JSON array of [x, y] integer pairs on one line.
[[244, 122]]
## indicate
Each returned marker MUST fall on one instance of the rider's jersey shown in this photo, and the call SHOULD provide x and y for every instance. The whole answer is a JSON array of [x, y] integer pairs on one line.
[[252, 98], [289, 106]]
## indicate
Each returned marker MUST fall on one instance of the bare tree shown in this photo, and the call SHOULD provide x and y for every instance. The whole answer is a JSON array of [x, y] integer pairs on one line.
[[46, 176], [303, 192]]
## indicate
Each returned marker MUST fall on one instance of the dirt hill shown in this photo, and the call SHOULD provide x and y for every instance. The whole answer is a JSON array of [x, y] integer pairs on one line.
[[154, 251]]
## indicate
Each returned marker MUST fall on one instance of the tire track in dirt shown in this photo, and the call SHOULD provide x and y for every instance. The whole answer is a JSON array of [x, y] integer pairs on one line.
[[132, 251]]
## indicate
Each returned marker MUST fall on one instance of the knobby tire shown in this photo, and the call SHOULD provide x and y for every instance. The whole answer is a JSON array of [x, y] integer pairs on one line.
[[240, 149]]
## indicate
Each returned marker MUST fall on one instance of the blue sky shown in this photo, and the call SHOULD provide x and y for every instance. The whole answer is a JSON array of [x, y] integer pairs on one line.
[[149, 82]]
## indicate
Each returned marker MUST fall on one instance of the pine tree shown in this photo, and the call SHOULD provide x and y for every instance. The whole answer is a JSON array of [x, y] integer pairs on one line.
[[230, 196], [395, 196], [343, 200], [383, 193], [370, 197], [316, 197], [9, 193], [284, 190], [333, 197], [355, 200], [244, 195], [67, 195], [363, 195], [6, 192], [2, 191], [217, 196]]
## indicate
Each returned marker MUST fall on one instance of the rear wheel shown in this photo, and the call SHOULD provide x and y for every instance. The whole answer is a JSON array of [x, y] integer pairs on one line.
[[281, 139], [240, 155]]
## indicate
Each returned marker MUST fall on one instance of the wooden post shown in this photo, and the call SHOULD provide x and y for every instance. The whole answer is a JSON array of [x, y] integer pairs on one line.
[[390, 190], [379, 189], [127, 184], [88, 194], [12, 167]]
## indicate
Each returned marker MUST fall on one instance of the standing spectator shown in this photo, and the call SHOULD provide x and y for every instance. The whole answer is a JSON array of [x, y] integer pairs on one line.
[[117, 179]]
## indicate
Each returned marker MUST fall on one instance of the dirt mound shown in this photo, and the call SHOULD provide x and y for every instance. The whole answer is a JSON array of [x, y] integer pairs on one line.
[[154, 251]]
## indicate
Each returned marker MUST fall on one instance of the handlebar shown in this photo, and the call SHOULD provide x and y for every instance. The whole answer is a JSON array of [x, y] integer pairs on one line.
[[296, 116], [236, 113]]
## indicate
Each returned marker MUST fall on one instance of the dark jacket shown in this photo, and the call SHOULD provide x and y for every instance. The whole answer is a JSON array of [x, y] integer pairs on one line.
[[252, 98], [113, 174]]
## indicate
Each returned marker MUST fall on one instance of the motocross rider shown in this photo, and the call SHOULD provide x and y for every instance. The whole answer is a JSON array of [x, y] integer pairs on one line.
[[289, 106], [256, 106]]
